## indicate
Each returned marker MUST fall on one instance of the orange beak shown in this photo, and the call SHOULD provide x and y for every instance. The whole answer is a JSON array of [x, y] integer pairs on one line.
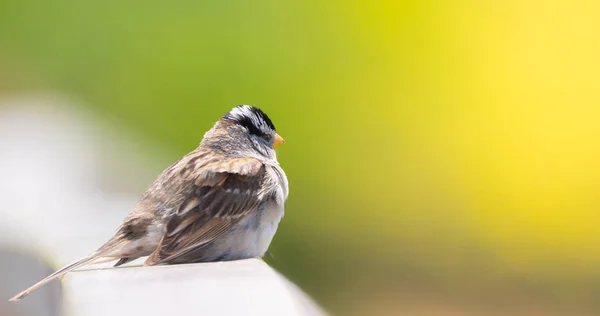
[[278, 141]]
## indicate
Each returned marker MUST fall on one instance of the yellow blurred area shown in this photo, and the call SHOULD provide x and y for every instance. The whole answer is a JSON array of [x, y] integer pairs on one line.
[[446, 151], [504, 96]]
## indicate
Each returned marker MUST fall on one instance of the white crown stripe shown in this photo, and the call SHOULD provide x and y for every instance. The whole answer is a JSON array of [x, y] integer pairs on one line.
[[246, 111]]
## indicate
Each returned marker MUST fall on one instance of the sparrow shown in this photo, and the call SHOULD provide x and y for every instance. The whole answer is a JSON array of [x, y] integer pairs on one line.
[[222, 201]]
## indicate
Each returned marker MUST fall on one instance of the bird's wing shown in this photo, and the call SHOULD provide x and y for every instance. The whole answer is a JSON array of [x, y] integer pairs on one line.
[[223, 193]]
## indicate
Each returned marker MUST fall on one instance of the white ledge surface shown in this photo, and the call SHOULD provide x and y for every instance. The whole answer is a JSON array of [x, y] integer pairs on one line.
[[243, 287]]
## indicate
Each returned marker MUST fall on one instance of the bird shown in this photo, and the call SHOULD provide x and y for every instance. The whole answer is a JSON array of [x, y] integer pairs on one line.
[[222, 201]]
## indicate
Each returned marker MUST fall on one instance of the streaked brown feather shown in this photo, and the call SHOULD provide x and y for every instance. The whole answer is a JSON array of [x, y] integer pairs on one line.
[[224, 193], [123, 261]]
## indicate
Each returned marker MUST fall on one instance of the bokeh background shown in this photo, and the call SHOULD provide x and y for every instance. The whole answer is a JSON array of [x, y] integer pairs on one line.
[[443, 156]]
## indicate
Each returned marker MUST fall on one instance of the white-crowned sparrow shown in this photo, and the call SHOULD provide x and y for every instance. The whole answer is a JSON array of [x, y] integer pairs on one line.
[[222, 201]]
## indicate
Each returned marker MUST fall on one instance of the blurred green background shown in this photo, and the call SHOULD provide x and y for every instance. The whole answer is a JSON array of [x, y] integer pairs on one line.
[[443, 156]]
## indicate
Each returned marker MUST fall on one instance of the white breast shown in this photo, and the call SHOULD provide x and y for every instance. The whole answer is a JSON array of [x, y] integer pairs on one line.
[[251, 237]]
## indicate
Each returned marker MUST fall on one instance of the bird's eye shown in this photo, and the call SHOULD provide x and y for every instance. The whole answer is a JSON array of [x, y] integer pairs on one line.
[[266, 137]]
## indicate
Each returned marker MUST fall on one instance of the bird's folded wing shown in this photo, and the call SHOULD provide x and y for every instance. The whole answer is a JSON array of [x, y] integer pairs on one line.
[[224, 192]]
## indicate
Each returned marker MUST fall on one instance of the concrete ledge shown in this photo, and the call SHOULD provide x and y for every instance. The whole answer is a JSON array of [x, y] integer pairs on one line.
[[243, 287]]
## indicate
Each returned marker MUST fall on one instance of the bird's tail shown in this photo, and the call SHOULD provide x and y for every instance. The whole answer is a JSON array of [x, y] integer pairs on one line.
[[102, 252]]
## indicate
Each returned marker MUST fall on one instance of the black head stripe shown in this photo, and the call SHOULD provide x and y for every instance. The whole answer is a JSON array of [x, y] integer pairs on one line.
[[253, 118]]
